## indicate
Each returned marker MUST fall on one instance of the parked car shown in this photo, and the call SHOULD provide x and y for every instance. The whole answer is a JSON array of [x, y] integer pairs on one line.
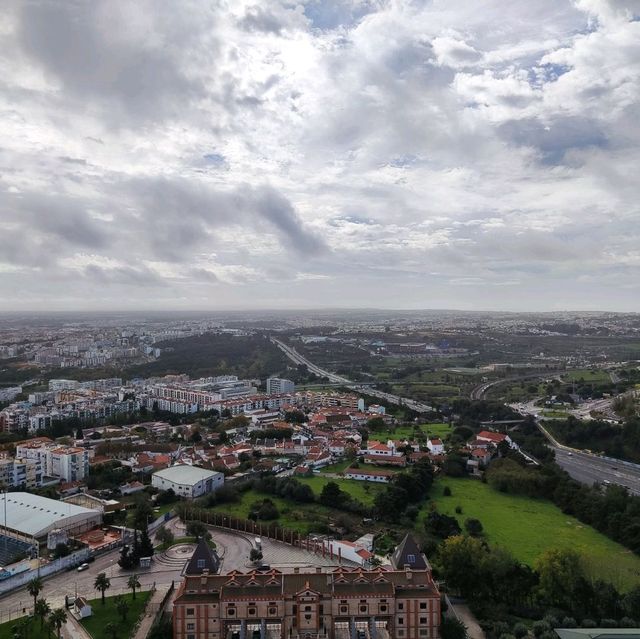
[[83, 566]]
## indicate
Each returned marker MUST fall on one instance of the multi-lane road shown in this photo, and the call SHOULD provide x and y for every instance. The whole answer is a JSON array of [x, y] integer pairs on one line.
[[586, 467], [297, 358]]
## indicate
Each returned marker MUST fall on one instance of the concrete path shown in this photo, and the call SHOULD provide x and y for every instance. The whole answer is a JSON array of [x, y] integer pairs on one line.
[[151, 612], [73, 629], [462, 611]]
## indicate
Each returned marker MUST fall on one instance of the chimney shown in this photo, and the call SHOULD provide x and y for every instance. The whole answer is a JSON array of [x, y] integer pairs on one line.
[[296, 570], [318, 569], [407, 573]]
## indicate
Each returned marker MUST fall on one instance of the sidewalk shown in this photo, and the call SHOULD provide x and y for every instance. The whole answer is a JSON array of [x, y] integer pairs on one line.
[[461, 610], [73, 629], [152, 611]]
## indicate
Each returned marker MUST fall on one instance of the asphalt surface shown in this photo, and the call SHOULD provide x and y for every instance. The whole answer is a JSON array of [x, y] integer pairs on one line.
[[590, 469], [297, 358]]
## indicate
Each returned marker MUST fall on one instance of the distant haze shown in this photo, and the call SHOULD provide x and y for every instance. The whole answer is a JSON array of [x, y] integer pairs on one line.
[[219, 155]]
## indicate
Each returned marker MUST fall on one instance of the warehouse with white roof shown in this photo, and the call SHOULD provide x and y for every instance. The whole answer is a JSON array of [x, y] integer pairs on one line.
[[30, 517], [187, 481]]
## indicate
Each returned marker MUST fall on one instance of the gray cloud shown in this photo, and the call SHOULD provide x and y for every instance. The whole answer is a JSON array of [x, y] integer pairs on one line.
[[332, 152]]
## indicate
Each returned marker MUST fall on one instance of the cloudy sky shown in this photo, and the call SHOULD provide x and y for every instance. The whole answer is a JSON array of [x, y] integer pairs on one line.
[[378, 153]]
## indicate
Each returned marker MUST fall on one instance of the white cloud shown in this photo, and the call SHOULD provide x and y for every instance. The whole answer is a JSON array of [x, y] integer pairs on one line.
[[328, 152]]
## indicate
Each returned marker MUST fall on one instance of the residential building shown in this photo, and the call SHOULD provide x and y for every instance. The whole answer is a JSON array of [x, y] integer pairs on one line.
[[279, 386], [402, 602], [19, 473], [367, 474], [64, 462]]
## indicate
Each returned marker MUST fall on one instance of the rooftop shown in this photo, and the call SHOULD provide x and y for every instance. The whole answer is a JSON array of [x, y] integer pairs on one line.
[[185, 474]]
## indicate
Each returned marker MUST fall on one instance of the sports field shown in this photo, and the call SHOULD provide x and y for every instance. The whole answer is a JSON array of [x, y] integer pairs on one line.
[[528, 527]]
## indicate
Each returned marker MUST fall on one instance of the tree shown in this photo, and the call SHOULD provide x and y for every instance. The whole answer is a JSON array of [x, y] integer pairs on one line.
[[631, 603], [146, 547], [255, 555], [62, 550], [196, 529], [41, 609], [133, 582], [33, 588], [102, 583], [165, 536], [562, 579], [58, 617], [331, 495], [122, 607], [142, 512], [473, 527], [127, 560], [461, 560], [452, 628]]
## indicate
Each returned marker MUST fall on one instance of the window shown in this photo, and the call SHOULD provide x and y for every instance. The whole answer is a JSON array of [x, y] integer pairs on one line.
[[400, 632], [191, 612], [400, 606], [191, 626], [307, 617], [343, 610], [201, 563], [273, 611], [251, 611], [191, 637], [423, 621], [411, 559], [423, 605], [231, 611], [401, 621], [363, 609], [383, 608], [307, 608]]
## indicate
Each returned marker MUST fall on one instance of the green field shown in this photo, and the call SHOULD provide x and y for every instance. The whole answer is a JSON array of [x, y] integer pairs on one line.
[[411, 432], [527, 527], [597, 376], [361, 490], [34, 632], [102, 615]]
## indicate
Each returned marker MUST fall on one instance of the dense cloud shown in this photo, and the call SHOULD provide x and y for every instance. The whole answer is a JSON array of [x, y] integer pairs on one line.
[[327, 152]]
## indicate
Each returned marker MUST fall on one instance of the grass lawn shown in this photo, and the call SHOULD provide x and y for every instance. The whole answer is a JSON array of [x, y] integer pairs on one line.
[[527, 527], [360, 490], [335, 468], [34, 632], [411, 432], [588, 375], [102, 615], [300, 517]]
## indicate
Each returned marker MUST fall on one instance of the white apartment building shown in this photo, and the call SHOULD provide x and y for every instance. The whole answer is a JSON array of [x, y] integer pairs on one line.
[[279, 386], [63, 384], [65, 462]]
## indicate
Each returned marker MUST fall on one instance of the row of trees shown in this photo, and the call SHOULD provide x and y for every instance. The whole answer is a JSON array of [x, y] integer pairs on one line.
[[494, 581]]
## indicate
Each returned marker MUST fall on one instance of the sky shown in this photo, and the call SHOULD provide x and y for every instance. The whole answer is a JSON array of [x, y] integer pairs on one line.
[[175, 155]]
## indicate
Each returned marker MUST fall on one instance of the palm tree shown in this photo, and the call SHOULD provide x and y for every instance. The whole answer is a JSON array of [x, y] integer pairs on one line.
[[58, 617], [133, 583], [112, 629], [122, 607], [42, 609], [33, 588], [102, 583]]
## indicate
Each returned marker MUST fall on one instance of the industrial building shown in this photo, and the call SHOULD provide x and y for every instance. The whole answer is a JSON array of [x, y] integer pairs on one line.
[[187, 481], [31, 517]]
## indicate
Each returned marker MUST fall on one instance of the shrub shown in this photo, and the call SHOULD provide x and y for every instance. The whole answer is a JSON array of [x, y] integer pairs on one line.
[[459, 510], [473, 527], [627, 622], [520, 630], [608, 623], [446, 491], [539, 627], [588, 623], [568, 622]]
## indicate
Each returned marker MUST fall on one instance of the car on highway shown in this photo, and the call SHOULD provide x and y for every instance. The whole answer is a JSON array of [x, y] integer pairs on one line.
[[570, 454], [83, 566]]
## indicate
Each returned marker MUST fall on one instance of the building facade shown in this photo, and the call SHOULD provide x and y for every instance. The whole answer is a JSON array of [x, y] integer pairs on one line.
[[402, 602], [278, 386], [187, 481]]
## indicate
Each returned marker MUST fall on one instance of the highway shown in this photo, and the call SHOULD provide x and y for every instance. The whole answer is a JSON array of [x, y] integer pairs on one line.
[[586, 467], [297, 358]]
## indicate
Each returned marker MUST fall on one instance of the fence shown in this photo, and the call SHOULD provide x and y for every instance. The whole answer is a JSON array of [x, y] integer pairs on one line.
[[22, 611], [163, 519], [50, 568], [260, 529]]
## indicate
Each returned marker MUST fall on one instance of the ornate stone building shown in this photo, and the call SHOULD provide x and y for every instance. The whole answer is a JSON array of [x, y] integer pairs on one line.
[[400, 602]]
